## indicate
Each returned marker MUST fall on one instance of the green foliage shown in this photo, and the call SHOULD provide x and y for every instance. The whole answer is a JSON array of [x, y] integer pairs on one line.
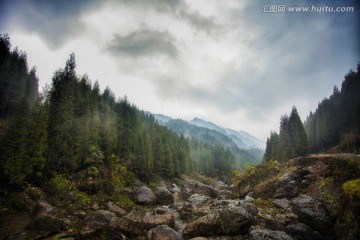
[[23, 145], [82, 198], [122, 200], [59, 186], [352, 188], [252, 175]]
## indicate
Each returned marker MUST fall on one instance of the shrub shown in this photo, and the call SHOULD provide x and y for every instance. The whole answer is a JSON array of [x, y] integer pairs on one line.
[[352, 188], [59, 186]]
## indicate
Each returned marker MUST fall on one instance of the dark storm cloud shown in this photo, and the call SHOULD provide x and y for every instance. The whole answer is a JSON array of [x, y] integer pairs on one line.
[[143, 43], [54, 21], [57, 21]]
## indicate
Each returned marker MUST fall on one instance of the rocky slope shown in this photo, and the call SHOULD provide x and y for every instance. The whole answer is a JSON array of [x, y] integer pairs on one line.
[[317, 197]]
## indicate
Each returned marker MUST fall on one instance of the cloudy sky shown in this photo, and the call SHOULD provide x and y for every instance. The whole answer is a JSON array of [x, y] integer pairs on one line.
[[232, 62]]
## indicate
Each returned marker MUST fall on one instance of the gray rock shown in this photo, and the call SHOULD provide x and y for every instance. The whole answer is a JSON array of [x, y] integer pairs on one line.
[[152, 221], [144, 195], [189, 212], [303, 232], [249, 199], [115, 209], [218, 204], [235, 220], [208, 225], [138, 222], [219, 185], [198, 199], [163, 232], [251, 208], [266, 234], [103, 216], [312, 213], [190, 187], [281, 203], [163, 196], [224, 193], [95, 206], [97, 222], [44, 207], [175, 189]]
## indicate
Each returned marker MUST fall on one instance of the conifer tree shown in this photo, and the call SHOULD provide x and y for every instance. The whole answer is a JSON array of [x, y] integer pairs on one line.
[[62, 154]]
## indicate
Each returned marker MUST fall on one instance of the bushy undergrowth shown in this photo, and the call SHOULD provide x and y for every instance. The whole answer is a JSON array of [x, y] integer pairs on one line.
[[252, 175]]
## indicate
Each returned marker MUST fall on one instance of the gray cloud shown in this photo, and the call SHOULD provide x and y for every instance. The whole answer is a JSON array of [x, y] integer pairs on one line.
[[178, 9], [58, 21], [55, 21], [199, 22], [143, 43]]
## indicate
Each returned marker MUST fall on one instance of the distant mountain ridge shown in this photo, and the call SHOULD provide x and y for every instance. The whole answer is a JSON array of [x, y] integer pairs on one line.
[[242, 139], [244, 147]]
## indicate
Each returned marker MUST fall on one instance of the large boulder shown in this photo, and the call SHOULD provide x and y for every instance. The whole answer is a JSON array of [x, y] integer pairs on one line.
[[163, 196], [191, 187], [151, 221], [198, 199], [302, 231], [188, 211], [235, 220], [143, 195], [175, 188], [163, 232], [205, 226], [47, 222], [44, 207], [27, 199], [219, 185], [312, 213], [115, 209], [97, 222], [45, 218], [266, 234], [137, 222]]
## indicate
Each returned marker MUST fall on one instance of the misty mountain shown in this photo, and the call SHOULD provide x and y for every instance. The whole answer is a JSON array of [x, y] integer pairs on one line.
[[161, 119], [242, 139], [245, 148]]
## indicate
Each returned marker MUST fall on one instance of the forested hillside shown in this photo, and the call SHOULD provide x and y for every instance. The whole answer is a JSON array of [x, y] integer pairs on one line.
[[336, 121], [334, 126], [205, 142], [73, 128]]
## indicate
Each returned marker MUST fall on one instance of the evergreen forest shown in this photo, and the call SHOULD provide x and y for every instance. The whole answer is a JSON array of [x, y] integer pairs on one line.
[[333, 127], [72, 129]]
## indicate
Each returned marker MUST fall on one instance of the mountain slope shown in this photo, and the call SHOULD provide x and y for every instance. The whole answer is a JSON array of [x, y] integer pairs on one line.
[[214, 135], [242, 139]]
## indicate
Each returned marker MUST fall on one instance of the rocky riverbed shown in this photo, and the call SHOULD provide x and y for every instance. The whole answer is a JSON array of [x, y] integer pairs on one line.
[[302, 199]]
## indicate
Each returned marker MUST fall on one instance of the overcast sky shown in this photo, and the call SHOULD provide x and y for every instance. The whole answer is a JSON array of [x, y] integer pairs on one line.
[[230, 62]]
